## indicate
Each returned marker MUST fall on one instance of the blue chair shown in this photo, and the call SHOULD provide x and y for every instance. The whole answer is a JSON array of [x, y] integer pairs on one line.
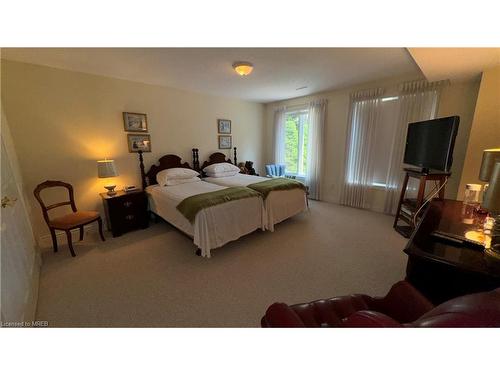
[[275, 170]]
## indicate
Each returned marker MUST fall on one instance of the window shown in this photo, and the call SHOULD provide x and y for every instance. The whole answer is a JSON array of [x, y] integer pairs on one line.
[[380, 145], [385, 131], [296, 141]]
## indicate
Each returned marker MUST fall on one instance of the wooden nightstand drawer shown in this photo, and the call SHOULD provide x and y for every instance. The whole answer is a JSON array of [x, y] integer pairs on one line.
[[127, 204], [126, 211]]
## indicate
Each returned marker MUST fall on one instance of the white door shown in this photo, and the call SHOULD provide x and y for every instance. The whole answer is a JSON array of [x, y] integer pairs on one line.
[[17, 248]]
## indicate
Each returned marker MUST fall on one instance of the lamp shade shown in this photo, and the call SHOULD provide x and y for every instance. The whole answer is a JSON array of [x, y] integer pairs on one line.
[[491, 199], [490, 157], [106, 168]]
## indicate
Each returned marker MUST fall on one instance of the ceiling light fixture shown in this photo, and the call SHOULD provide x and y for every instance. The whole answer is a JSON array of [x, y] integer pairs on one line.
[[243, 68]]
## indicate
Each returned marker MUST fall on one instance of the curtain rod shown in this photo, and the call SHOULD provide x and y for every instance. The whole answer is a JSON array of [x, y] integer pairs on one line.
[[296, 105], [286, 107]]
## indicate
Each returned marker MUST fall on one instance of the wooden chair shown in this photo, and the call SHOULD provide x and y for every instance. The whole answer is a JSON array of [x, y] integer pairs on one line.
[[76, 219]]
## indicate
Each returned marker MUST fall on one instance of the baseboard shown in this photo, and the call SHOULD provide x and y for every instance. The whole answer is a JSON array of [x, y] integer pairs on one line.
[[32, 297], [46, 239]]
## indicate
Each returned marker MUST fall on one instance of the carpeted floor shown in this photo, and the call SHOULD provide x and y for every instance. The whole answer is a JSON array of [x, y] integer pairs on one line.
[[151, 278]]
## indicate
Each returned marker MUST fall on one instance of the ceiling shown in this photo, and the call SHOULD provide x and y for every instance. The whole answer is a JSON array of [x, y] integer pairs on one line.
[[454, 63], [278, 72]]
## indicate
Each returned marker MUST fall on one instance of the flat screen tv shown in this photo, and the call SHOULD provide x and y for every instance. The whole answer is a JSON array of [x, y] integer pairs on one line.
[[429, 144]]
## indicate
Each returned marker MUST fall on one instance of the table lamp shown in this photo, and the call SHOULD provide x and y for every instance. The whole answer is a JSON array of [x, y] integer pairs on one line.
[[490, 157], [106, 169], [491, 202]]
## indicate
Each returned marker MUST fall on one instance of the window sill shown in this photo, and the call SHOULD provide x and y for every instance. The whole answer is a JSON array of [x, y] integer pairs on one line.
[[378, 186], [372, 186]]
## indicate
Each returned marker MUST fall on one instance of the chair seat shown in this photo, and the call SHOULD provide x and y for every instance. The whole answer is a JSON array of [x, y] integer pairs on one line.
[[74, 219]]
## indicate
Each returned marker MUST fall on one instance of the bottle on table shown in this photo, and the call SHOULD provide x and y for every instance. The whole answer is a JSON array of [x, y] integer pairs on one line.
[[471, 203]]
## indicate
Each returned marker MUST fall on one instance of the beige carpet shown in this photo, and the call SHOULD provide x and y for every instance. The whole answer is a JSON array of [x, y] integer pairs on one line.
[[151, 278]]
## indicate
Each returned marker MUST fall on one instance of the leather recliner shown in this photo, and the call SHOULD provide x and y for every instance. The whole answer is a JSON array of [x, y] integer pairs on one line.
[[403, 306]]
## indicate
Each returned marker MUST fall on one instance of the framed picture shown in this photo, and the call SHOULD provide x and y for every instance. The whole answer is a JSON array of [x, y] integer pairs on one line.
[[224, 141], [224, 126], [138, 142], [135, 122]]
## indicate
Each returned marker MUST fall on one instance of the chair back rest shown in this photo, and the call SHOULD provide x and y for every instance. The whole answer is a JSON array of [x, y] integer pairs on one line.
[[275, 170], [51, 184]]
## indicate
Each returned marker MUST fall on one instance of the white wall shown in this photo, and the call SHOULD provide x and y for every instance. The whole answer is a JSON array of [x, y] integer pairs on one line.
[[63, 122], [485, 132], [458, 98]]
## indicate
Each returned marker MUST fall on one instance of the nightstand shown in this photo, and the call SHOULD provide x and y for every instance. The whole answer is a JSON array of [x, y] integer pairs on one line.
[[126, 211]]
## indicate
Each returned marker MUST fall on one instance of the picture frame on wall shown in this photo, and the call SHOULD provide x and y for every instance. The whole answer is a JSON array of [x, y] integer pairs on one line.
[[224, 126], [139, 142], [135, 122], [225, 142]]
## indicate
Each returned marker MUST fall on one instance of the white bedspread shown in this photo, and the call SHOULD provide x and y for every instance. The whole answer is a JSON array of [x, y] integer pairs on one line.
[[213, 226], [279, 205]]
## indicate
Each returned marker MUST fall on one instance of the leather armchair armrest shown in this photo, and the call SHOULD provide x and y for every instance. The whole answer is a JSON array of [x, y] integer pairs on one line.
[[369, 319], [280, 315], [404, 303]]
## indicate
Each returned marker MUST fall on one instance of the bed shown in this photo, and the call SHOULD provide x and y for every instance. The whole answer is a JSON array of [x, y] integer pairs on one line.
[[279, 205], [213, 226]]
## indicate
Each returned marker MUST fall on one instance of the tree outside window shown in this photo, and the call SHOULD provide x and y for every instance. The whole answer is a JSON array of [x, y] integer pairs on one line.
[[296, 142]]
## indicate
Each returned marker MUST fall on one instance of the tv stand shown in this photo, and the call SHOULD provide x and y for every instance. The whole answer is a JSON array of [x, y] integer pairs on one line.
[[407, 208], [425, 171]]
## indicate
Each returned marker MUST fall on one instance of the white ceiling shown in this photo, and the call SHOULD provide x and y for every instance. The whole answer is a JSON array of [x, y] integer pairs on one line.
[[454, 63], [278, 72]]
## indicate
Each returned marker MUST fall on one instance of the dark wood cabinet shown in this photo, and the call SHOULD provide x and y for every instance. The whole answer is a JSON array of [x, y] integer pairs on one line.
[[442, 269], [126, 211]]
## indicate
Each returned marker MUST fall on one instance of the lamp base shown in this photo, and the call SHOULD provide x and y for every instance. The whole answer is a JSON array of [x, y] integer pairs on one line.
[[111, 189], [494, 248]]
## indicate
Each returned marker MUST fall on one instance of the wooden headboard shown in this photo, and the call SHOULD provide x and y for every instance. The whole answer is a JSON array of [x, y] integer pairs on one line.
[[165, 162], [216, 157]]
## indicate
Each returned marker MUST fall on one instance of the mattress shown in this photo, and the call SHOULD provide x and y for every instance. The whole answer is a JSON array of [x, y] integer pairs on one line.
[[279, 205]]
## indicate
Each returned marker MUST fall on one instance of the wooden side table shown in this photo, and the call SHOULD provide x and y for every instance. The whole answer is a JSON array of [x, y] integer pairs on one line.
[[442, 269], [126, 211]]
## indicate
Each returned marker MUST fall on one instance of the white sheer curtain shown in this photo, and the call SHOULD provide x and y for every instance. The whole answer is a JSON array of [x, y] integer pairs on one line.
[[418, 102], [279, 135], [317, 114], [358, 172]]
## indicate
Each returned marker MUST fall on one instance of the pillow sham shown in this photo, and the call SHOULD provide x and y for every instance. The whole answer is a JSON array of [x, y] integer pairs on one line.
[[223, 174], [174, 173], [178, 181], [220, 167]]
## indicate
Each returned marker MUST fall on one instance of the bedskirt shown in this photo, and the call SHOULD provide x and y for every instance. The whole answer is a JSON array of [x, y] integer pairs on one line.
[[214, 226]]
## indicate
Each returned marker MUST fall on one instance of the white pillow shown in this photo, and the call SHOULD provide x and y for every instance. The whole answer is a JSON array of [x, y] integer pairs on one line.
[[220, 167], [223, 174], [179, 181], [174, 173]]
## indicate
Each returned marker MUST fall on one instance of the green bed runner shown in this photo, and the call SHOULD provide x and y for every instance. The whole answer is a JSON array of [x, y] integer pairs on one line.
[[265, 187], [190, 206]]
